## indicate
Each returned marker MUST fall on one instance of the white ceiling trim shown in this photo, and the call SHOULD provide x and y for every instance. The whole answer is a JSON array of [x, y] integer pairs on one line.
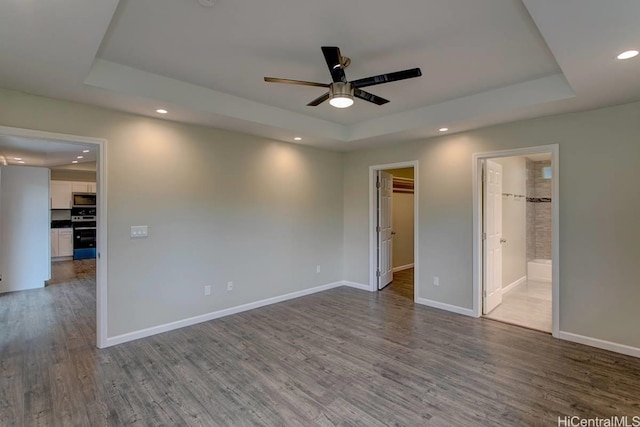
[[127, 80], [508, 98], [131, 81]]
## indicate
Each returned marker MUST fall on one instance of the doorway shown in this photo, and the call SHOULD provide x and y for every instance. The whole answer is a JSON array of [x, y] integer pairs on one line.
[[516, 237], [74, 169], [394, 228]]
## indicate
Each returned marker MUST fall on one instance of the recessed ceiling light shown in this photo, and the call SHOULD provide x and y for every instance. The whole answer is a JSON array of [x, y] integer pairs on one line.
[[21, 162], [85, 151], [80, 157], [297, 138], [628, 54], [17, 158], [161, 111], [443, 129], [75, 161]]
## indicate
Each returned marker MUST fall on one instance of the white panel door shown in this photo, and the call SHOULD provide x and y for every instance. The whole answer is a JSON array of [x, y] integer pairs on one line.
[[493, 236], [385, 230]]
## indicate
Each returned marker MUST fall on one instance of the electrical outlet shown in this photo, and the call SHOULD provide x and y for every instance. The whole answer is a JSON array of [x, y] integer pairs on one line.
[[229, 286], [436, 281], [207, 290], [317, 268]]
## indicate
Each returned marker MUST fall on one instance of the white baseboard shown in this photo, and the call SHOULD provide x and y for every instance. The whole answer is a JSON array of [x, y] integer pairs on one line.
[[605, 345], [142, 333], [514, 285], [356, 285], [403, 267], [447, 307]]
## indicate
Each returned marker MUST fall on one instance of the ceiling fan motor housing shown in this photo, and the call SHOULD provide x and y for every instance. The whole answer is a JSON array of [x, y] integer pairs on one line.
[[341, 90]]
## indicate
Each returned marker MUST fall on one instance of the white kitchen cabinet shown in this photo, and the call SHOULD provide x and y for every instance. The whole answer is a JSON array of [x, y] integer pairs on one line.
[[65, 242], [60, 194], [54, 243], [79, 187], [61, 242], [83, 187]]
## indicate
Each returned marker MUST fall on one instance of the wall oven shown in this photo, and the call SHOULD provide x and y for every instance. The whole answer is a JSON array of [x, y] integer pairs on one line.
[[84, 237], [83, 220]]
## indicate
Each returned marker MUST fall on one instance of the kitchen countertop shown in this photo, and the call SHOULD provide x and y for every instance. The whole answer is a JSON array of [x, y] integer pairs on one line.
[[61, 224]]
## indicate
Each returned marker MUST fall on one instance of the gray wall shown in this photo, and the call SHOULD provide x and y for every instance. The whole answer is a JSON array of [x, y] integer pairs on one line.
[[403, 226], [514, 226], [599, 205], [220, 206], [224, 206]]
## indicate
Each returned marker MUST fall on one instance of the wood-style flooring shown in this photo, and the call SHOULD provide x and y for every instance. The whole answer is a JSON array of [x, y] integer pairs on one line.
[[342, 357], [402, 284]]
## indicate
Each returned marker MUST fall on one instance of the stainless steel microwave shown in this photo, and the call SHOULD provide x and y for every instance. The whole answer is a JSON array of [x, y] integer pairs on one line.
[[83, 200]]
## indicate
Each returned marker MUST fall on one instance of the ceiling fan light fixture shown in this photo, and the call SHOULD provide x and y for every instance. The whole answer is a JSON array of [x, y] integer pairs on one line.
[[341, 101], [341, 95]]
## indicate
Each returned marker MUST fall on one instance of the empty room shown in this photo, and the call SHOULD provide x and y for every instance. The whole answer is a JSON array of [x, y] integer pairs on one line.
[[230, 213]]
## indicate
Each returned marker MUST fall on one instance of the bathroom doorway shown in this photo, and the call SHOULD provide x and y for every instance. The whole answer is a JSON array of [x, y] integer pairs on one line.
[[516, 219]]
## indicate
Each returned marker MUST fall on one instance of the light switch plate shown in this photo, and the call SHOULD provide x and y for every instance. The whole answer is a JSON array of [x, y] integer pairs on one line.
[[139, 231]]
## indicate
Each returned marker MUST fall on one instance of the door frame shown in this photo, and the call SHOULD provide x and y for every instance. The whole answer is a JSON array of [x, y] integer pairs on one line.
[[101, 182], [373, 259], [478, 256]]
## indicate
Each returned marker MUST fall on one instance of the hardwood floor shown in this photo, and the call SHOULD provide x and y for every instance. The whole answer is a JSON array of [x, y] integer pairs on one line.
[[402, 284], [342, 357], [66, 271]]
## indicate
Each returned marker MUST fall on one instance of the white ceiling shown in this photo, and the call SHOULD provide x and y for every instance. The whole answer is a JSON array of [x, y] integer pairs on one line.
[[45, 153], [483, 61]]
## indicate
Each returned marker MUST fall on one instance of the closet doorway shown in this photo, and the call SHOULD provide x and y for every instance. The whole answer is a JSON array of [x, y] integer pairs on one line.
[[393, 231]]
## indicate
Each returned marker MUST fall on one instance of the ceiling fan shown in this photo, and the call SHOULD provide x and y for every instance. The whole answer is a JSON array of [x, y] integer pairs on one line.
[[341, 91]]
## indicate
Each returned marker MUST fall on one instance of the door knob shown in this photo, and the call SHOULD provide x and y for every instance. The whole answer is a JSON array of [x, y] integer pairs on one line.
[[393, 233], [503, 240]]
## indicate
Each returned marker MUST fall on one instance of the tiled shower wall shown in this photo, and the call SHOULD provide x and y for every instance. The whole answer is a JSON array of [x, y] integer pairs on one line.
[[538, 211]]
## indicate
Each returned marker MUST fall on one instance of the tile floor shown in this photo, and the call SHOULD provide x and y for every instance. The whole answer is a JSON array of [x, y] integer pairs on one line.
[[527, 305]]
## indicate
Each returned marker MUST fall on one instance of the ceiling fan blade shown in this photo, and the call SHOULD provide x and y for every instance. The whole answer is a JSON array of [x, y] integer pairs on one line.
[[319, 100], [358, 93], [294, 82], [387, 78], [335, 63]]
